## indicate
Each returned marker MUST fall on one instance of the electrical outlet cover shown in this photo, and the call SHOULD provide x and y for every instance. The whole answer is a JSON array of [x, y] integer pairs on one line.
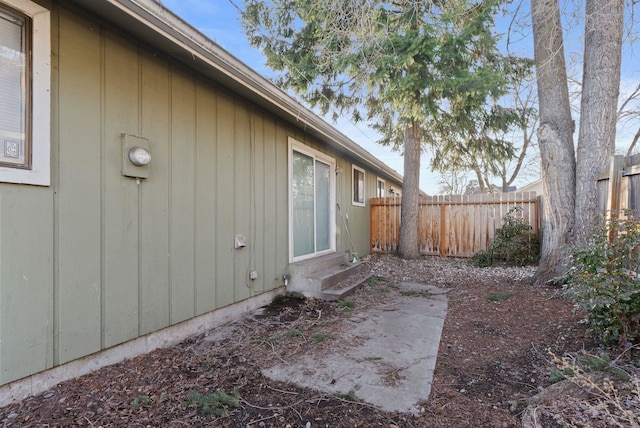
[[240, 241]]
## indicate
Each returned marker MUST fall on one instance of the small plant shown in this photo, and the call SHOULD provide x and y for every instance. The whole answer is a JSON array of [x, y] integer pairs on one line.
[[217, 403], [207, 363], [347, 305], [320, 337], [293, 333], [376, 281], [140, 400], [613, 402], [585, 363], [381, 284], [556, 375], [350, 396], [514, 242], [498, 297], [411, 293], [593, 363], [603, 281], [264, 341]]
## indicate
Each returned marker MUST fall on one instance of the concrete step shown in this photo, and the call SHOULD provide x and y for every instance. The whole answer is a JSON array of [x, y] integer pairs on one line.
[[311, 266], [332, 275], [311, 277], [345, 287]]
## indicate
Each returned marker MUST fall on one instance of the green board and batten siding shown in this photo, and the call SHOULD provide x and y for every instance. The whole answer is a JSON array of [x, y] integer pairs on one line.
[[97, 259], [26, 272]]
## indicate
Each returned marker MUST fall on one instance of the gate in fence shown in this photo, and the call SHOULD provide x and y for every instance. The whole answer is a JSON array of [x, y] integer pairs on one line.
[[450, 226]]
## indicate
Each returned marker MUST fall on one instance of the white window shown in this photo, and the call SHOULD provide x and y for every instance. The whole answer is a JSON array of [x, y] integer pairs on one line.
[[358, 186], [380, 188], [25, 76]]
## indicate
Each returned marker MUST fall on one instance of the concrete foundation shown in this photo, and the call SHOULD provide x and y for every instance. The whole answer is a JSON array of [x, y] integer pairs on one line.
[[166, 337]]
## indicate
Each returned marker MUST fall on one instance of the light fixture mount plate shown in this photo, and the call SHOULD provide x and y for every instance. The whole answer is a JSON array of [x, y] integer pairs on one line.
[[136, 156]]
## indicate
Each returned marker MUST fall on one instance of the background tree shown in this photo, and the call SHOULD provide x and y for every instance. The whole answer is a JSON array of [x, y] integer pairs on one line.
[[526, 161], [453, 182], [508, 129], [475, 147], [629, 112], [403, 65]]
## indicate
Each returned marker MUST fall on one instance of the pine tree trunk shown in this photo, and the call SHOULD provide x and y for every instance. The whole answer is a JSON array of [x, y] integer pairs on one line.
[[409, 248], [555, 138], [598, 111]]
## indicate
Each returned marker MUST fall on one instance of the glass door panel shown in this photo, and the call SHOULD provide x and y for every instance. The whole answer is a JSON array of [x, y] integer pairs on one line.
[[323, 206], [302, 195]]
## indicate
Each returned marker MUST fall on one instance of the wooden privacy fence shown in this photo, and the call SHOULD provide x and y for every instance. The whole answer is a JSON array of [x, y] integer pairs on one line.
[[619, 187], [450, 226]]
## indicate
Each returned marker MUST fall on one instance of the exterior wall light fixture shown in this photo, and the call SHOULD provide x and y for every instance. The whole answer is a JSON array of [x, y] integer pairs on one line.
[[136, 156], [139, 156]]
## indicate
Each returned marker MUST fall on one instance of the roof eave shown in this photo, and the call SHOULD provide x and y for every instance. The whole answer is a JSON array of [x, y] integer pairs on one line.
[[151, 22]]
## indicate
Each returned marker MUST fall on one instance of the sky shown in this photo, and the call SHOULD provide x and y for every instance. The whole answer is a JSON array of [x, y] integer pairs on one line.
[[220, 21]]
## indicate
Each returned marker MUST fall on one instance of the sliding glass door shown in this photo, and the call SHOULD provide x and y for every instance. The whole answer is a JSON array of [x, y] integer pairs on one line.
[[312, 201]]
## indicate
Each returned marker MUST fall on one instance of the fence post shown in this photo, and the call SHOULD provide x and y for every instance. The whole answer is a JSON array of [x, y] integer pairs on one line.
[[444, 232], [615, 182]]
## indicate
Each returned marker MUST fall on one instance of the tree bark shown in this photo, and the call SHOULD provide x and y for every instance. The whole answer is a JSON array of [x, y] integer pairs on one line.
[[479, 177], [599, 104], [409, 248], [555, 138]]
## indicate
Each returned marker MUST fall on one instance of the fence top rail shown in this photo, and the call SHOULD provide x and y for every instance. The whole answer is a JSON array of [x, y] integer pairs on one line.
[[489, 199], [630, 166]]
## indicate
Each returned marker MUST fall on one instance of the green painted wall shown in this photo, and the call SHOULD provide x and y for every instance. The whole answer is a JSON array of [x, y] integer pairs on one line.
[[26, 273], [97, 258]]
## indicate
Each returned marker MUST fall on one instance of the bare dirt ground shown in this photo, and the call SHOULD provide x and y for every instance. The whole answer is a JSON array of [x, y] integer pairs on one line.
[[495, 355]]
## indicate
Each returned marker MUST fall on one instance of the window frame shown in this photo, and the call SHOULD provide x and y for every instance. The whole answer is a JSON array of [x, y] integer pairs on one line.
[[384, 187], [38, 120], [302, 148], [354, 197]]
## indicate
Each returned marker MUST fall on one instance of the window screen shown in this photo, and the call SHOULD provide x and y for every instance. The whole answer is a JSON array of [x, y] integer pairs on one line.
[[14, 90]]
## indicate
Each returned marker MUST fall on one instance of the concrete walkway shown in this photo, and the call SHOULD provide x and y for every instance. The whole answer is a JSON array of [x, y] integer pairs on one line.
[[391, 354]]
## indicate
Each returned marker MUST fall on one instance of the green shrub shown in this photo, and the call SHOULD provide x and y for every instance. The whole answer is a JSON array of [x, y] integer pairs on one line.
[[603, 280], [514, 242]]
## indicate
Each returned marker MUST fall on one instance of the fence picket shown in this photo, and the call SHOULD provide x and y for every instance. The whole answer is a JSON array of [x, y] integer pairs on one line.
[[454, 226], [618, 186]]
